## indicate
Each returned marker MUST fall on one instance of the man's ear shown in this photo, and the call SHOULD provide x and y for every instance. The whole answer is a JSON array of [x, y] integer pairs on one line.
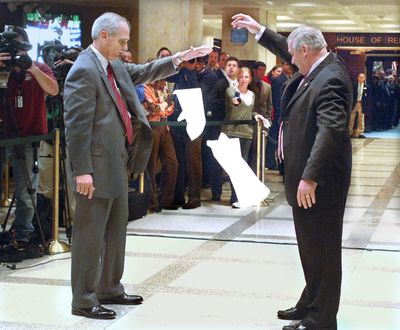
[[305, 49], [103, 35]]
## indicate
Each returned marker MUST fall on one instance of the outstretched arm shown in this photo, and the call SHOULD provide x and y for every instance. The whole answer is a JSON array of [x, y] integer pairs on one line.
[[269, 39]]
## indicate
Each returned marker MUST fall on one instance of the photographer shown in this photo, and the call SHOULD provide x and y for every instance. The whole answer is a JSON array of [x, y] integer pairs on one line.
[[24, 111]]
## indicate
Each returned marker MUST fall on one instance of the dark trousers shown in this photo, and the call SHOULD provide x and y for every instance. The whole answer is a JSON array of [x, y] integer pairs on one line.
[[319, 237], [98, 248], [214, 170], [163, 149], [188, 154]]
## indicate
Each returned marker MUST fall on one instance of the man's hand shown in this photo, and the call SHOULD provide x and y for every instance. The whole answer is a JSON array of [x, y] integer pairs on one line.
[[306, 193], [194, 52], [4, 57], [245, 21], [84, 185], [266, 123], [64, 61]]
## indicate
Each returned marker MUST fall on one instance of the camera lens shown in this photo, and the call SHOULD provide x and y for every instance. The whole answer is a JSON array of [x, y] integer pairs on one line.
[[24, 62]]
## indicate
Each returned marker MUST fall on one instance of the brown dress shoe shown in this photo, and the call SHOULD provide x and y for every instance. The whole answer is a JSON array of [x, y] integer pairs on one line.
[[122, 299], [95, 312]]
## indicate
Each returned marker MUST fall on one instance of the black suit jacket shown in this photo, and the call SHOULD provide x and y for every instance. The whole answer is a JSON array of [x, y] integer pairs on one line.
[[316, 142], [216, 100]]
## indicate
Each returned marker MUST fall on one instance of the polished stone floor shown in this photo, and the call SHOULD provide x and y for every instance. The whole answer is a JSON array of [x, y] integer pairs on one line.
[[221, 268]]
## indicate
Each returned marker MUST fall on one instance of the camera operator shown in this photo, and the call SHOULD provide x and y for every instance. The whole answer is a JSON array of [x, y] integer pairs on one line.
[[60, 59], [24, 115]]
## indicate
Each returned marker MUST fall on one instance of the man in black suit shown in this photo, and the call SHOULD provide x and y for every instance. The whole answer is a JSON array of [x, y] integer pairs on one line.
[[316, 147], [359, 107], [216, 112]]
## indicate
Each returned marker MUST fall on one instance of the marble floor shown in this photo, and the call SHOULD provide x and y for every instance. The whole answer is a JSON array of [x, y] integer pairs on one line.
[[221, 268]]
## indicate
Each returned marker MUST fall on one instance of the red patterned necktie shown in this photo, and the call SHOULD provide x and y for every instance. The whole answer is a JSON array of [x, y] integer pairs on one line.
[[121, 106]]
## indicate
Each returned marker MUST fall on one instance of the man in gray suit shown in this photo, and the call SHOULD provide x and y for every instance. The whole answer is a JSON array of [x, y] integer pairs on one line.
[[102, 114]]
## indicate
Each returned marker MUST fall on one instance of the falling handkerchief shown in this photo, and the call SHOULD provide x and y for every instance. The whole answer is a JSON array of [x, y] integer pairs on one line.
[[249, 189], [191, 101]]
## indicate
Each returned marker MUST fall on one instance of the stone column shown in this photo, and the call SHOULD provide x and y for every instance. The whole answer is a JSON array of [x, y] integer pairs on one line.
[[176, 24], [250, 50]]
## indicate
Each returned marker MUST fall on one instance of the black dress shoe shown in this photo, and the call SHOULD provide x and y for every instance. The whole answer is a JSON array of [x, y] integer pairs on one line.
[[95, 312], [292, 314], [296, 326], [122, 299], [170, 207], [191, 205]]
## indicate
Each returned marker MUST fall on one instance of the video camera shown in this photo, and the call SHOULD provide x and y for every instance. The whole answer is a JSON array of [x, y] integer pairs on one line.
[[8, 44], [53, 52]]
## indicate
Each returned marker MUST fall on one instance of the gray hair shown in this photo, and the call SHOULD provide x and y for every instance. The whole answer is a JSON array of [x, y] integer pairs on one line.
[[109, 22], [309, 36]]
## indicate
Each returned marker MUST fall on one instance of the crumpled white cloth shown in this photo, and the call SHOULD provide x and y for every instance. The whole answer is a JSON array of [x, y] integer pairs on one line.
[[250, 191], [191, 101]]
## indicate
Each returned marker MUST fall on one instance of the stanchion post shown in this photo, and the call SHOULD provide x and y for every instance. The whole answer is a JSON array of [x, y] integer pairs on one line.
[[264, 138], [141, 183], [259, 129], [6, 201], [55, 245]]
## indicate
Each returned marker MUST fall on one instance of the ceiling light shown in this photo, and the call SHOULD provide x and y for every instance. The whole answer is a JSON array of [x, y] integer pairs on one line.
[[389, 25], [334, 22], [304, 4], [288, 25], [284, 18]]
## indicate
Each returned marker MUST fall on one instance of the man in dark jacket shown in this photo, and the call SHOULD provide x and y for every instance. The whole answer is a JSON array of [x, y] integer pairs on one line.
[[316, 147]]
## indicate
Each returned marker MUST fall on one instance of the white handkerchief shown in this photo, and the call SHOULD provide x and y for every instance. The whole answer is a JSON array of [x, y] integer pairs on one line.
[[191, 101], [250, 191]]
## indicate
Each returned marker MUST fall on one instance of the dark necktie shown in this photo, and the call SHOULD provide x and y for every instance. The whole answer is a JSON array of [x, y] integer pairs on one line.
[[121, 106]]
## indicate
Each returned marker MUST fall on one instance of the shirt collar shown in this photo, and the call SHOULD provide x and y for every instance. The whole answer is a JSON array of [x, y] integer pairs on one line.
[[318, 62], [103, 61]]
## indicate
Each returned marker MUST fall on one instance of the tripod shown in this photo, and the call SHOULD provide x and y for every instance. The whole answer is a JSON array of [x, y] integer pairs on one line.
[[55, 113], [20, 157]]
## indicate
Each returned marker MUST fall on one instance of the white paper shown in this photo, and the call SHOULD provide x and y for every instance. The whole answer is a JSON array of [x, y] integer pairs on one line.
[[191, 101], [250, 191]]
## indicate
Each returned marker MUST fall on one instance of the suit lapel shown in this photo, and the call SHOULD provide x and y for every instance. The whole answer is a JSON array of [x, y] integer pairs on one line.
[[103, 76], [293, 94]]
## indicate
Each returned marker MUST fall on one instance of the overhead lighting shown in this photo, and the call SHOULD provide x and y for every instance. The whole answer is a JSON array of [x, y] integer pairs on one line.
[[288, 25], [389, 26], [304, 4], [270, 3], [334, 22], [284, 18]]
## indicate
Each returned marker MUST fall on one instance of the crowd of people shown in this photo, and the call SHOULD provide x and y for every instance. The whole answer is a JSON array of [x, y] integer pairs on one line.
[[179, 167], [383, 100]]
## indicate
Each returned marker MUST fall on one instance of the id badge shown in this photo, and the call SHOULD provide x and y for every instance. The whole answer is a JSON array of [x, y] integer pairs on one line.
[[19, 102]]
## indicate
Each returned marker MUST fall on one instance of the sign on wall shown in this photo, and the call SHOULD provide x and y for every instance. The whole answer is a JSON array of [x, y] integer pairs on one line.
[[368, 40]]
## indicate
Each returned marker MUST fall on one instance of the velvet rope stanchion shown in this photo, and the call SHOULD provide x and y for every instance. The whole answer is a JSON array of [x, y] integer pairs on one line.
[[263, 145], [259, 129], [141, 183], [55, 245], [6, 201]]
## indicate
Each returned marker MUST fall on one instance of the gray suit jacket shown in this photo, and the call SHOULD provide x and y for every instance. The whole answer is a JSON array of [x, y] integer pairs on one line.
[[94, 130]]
